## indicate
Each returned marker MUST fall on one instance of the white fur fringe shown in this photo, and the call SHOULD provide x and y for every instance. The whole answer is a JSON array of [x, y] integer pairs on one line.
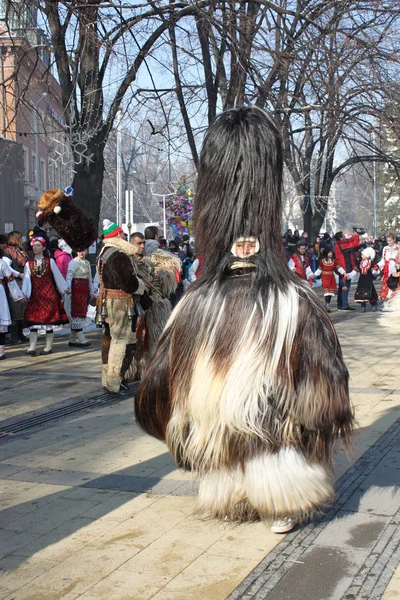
[[271, 485]]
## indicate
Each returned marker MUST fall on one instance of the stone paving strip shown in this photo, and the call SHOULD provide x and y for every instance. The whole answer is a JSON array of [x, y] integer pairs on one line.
[[91, 508], [353, 551]]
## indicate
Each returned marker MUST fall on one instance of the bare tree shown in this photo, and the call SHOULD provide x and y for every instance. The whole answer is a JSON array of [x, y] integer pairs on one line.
[[325, 69], [99, 47]]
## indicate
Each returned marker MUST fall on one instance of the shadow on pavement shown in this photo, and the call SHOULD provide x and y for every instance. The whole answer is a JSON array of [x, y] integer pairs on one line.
[[382, 483]]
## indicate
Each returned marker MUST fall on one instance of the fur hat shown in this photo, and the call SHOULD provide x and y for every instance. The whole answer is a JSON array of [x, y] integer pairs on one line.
[[61, 212], [110, 229], [368, 253]]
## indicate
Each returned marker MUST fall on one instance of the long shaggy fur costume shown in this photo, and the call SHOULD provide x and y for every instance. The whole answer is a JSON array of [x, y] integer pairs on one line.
[[165, 265], [61, 212], [390, 317], [248, 386]]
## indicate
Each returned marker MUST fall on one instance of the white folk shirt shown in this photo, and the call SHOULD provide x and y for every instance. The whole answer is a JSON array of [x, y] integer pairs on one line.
[[389, 255], [58, 278], [15, 292]]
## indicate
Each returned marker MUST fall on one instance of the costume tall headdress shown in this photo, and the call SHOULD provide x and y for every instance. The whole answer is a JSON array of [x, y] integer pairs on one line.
[[62, 213], [247, 386]]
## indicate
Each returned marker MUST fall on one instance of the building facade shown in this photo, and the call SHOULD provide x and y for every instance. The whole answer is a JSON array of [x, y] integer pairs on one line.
[[31, 113]]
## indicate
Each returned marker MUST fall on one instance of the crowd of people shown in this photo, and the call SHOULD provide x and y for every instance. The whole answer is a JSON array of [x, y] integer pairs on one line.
[[55, 288], [342, 258], [55, 284]]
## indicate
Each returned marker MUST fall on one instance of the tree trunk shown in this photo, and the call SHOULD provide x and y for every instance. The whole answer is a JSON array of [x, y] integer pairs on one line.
[[312, 223], [88, 183]]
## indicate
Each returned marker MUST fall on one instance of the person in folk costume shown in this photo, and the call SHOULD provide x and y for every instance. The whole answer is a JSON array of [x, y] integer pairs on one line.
[[42, 286], [151, 323], [119, 306], [7, 277], [166, 266], [387, 265], [390, 317], [63, 256], [346, 247], [79, 281], [366, 291], [248, 386], [300, 264], [326, 269], [16, 258]]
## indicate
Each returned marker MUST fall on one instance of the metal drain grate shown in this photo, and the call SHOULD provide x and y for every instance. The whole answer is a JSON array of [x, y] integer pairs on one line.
[[23, 424]]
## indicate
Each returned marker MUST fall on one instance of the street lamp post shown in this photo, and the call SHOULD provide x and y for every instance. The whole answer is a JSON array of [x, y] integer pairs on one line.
[[36, 132], [163, 196], [119, 167]]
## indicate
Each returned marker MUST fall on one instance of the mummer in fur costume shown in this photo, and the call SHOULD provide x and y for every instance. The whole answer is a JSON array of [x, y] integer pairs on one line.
[[122, 299], [248, 386]]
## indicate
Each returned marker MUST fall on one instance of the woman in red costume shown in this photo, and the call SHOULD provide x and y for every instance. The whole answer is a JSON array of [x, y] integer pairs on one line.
[[326, 269], [79, 281], [42, 279]]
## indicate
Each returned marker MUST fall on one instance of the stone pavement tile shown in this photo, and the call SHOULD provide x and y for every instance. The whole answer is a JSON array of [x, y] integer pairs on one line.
[[170, 471], [188, 488], [123, 585], [167, 559], [393, 590], [66, 540], [376, 500], [321, 572], [195, 531], [12, 542], [24, 501], [14, 575], [54, 476], [352, 530], [121, 506], [143, 528], [50, 516], [252, 541], [7, 469], [207, 578], [74, 576]]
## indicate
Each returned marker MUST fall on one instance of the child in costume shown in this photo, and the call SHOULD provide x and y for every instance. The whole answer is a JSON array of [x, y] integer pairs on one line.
[[326, 268], [247, 385], [42, 279], [6, 278], [366, 291], [79, 281]]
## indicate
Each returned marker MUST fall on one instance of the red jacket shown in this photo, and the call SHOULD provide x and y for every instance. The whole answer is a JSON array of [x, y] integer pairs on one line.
[[344, 252], [300, 266]]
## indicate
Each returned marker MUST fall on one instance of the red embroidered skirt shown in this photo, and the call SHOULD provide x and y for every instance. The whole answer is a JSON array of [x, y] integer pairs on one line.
[[44, 306], [80, 297]]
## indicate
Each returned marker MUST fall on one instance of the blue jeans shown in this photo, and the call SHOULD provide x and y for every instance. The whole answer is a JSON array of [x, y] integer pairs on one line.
[[343, 295]]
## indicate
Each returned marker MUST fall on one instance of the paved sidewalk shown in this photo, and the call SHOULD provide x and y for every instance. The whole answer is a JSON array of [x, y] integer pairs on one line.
[[91, 508]]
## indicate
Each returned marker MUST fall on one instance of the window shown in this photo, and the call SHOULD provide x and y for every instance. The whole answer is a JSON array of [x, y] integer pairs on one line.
[[8, 227]]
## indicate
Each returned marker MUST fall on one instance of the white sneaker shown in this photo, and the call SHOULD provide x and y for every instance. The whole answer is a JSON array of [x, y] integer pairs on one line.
[[283, 525]]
